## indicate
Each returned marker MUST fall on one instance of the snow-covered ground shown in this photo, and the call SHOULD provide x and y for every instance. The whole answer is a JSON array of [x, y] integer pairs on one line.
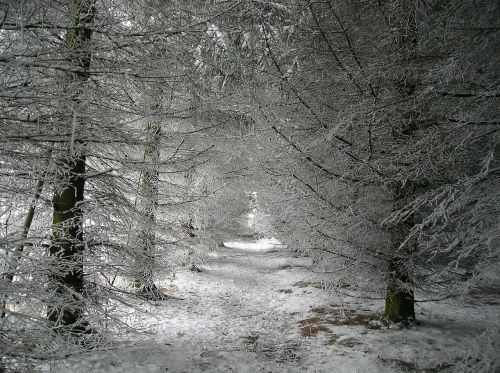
[[254, 310]]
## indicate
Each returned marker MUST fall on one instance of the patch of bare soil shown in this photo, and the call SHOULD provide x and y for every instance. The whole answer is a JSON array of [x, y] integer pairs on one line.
[[313, 330], [323, 317], [409, 366], [310, 321], [251, 339], [337, 316], [305, 284], [348, 342]]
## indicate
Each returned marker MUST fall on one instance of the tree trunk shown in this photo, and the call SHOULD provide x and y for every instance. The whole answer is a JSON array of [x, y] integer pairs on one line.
[[67, 248], [66, 275], [13, 261], [148, 206], [400, 299]]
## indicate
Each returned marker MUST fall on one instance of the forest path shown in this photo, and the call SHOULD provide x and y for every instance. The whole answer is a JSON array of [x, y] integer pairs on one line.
[[241, 313], [254, 310]]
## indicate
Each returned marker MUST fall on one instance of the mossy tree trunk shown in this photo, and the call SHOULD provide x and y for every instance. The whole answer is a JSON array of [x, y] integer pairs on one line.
[[66, 276], [400, 298]]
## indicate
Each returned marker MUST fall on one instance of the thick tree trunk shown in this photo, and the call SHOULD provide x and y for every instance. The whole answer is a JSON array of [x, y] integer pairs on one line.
[[400, 299], [67, 247]]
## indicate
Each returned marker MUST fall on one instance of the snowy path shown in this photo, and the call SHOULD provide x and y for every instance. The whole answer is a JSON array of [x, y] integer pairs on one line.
[[253, 310], [241, 313]]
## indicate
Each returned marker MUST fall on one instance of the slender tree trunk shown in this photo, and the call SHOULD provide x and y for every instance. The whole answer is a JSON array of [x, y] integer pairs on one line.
[[148, 206], [67, 247], [13, 261]]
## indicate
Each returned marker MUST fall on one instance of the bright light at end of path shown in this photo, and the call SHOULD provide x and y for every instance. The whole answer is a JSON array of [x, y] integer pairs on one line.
[[261, 245]]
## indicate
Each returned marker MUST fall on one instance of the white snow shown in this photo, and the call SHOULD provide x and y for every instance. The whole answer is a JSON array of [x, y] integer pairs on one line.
[[265, 244], [254, 310]]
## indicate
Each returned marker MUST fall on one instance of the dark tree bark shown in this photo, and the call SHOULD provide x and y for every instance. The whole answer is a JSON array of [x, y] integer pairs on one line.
[[67, 247]]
